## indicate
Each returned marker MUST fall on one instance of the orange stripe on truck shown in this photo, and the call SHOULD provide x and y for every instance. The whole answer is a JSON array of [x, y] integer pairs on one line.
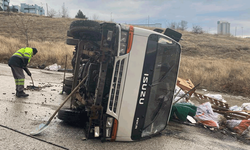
[[114, 131], [130, 38]]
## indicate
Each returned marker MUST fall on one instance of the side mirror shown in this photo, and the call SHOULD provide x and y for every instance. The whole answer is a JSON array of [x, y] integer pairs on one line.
[[173, 34]]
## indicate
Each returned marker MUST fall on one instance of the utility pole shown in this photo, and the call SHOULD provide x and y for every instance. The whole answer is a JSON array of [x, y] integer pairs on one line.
[[242, 31], [111, 17], [148, 21], [235, 31], [47, 8]]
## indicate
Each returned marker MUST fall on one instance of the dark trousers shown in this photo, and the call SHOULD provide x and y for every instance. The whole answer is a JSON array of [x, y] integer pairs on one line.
[[19, 77]]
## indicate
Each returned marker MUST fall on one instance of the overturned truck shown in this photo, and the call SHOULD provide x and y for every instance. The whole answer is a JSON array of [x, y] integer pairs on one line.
[[129, 78]]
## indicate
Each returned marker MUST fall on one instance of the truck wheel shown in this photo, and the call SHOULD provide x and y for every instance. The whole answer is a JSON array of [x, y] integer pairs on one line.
[[72, 41], [69, 34], [67, 89], [68, 81], [72, 115], [85, 29]]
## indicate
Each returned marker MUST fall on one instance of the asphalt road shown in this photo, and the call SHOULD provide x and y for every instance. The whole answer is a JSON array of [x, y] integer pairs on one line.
[[20, 116]]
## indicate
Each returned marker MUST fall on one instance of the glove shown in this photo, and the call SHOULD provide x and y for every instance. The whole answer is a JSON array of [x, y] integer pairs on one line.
[[27, 71]]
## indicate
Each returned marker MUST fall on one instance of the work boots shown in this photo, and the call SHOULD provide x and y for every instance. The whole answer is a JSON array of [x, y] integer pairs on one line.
[[21, 94]]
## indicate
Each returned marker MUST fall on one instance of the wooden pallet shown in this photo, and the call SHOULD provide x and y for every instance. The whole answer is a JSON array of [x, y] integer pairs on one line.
[[223, 108], [228, 114], [213, 101]]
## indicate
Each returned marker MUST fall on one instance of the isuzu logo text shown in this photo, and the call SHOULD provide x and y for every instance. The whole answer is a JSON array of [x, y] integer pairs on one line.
[[143, 88]]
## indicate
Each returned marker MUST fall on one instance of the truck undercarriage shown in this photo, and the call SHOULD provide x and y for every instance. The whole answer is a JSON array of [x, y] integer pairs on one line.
[[93, 58]]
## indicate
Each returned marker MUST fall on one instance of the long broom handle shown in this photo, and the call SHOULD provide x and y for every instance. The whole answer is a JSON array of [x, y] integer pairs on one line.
[[65, 70], [66, 99], [32, 81]]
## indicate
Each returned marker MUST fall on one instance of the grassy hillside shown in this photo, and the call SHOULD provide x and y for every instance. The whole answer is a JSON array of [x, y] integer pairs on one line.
[[219, 63], [39, 28]]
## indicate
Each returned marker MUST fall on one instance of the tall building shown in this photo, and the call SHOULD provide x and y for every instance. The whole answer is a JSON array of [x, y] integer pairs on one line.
[[4, 4], [223, 28]]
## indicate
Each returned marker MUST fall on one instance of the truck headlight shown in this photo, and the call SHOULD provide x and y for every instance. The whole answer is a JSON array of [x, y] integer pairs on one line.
[[108, 132], [109, 125], [109, 122], [127, 33], [97, 131], [124, 36], [123, 48]]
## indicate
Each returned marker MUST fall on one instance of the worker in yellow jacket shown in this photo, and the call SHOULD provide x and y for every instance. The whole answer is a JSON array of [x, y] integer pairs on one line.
[[18, 62]]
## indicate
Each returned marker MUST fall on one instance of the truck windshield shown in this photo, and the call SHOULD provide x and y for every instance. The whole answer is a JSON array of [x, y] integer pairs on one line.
[[161, 89]]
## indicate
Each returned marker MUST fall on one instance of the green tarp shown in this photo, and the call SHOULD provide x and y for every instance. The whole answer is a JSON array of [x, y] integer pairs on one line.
[[181, 110]]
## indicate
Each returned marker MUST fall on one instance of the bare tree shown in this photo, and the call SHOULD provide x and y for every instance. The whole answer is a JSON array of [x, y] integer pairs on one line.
[[65, 13], [8, 10], [95, 17], [23, 24], [59, 13], [52, 13], [172, 25], [197, 29], [182, 25]]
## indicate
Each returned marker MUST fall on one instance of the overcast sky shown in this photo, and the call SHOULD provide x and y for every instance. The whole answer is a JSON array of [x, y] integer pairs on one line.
[[203, 13]]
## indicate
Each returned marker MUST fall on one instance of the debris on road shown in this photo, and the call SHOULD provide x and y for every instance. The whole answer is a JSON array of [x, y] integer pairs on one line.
[[54, 67], [182, 110], [38, 88], [206, 116], [239, 126], [213, 112]]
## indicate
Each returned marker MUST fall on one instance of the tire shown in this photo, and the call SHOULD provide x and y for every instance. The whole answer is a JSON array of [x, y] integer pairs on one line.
[[68, 81], [69, 34], [72, 116], [72, 41], [67, 89], [85, 29]]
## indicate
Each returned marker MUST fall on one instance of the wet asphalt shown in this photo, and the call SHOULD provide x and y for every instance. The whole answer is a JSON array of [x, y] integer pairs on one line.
[[20, 116]]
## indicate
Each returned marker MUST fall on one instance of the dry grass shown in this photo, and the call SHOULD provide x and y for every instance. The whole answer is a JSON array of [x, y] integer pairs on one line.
[[39, 28], [224, 75], [215, 46], [219, 63], [48, 52]]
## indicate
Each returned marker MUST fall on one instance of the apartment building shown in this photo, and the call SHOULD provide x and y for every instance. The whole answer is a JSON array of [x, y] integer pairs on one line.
[[223, 27], [4, 4], [26, 8], [34, 9]]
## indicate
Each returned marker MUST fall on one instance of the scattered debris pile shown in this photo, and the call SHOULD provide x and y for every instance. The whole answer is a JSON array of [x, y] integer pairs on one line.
[[37, 88], [54, 67], [212, 111]]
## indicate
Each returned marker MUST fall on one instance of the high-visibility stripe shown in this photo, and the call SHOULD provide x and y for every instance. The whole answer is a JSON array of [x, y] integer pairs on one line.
[[18, 54], [20, 83], [24, 53], [19, 79]]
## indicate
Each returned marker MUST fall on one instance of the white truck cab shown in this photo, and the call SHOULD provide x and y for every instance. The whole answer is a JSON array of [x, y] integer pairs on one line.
[[130, 75]]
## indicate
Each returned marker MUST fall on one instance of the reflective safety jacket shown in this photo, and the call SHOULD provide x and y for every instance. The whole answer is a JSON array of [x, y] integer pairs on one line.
[[22, 57]]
